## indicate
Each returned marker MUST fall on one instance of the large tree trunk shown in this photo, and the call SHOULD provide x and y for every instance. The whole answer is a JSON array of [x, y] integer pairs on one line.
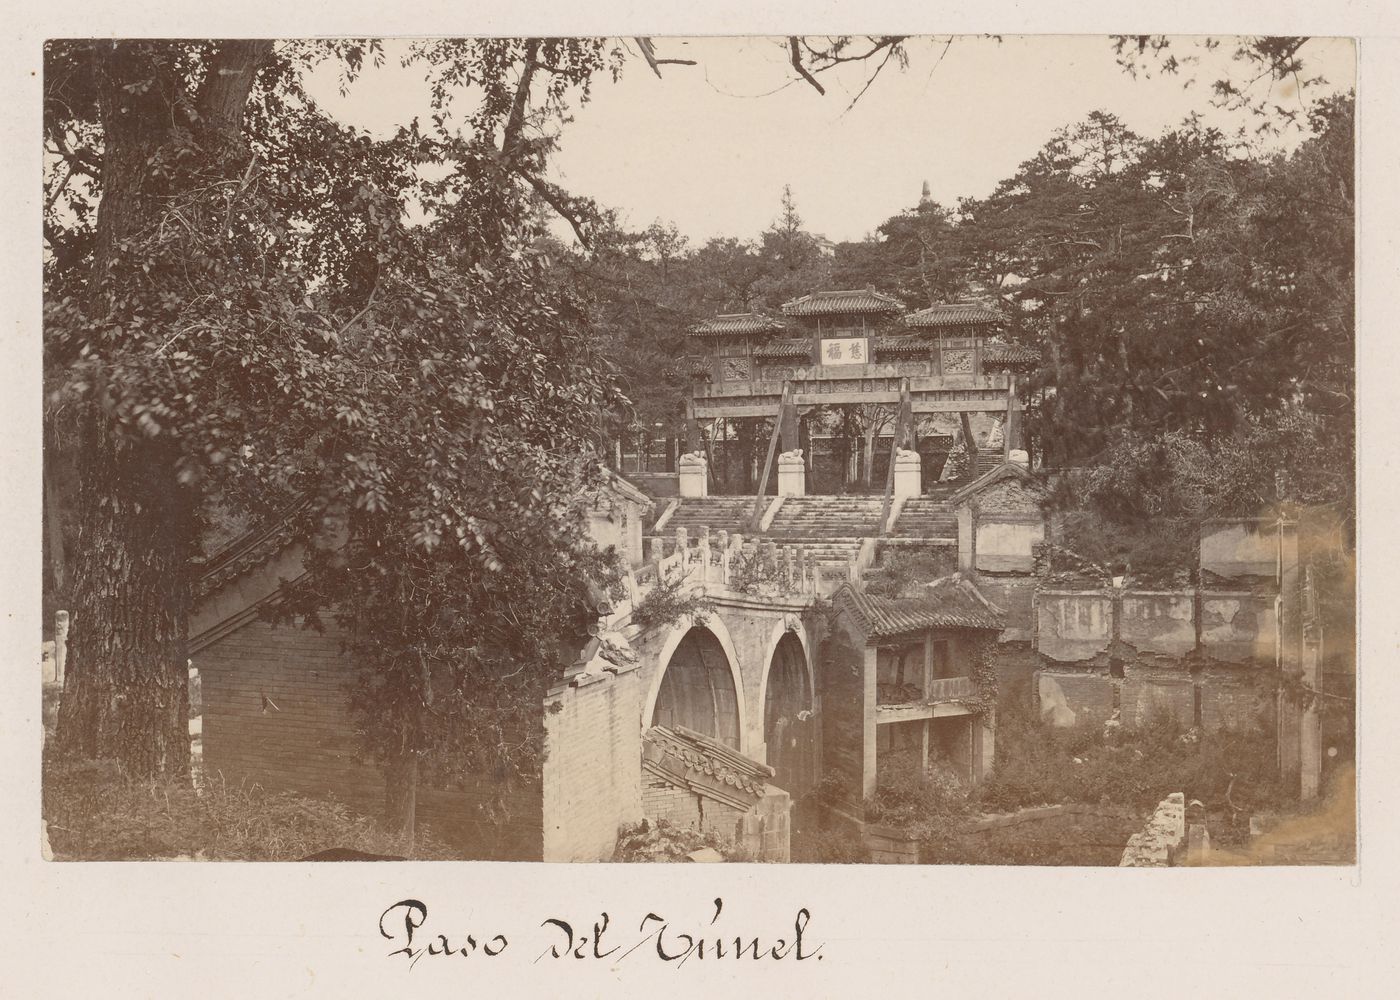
[[125, 694]]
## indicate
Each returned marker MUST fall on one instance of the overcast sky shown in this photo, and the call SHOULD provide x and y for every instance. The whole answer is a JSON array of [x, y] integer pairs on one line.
[[710, 147]]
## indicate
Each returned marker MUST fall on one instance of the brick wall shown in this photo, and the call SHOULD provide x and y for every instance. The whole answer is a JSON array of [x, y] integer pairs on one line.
[[306, 743], [663, 800], [763, 831], [592, 773]]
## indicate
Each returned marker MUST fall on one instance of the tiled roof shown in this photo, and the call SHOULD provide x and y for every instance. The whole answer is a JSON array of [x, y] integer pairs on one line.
[[736, 325], [953, 314], [784, 349], [1009, 356], [704, 765], [857, 301], [902, 345], [947, 603], [999, 471]]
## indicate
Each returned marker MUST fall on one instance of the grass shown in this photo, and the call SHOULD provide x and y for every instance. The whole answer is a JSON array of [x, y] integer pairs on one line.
[[95, 812]]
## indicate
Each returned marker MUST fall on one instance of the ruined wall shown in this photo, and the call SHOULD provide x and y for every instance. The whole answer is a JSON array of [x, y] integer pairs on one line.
[[1239, 627], [763, 831], [592, 773], [306, 743], [1073, 626], [1015, 595], [1200, 656], [1162, 839]]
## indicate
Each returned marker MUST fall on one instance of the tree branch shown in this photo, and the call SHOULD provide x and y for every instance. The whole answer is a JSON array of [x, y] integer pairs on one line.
[[794, 48]]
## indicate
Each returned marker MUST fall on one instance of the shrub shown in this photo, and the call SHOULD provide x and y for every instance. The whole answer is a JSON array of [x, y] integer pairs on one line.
[[924, 804], [660, 840], [828, 847], [1038, 764], [901, 570], [96, 812]]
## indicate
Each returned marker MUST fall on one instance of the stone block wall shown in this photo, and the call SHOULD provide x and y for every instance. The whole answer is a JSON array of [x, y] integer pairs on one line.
[[765, 830], [592, 772]]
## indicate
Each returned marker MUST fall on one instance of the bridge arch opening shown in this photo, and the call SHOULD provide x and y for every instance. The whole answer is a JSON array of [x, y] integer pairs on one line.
[[697, 689], [789, 729]]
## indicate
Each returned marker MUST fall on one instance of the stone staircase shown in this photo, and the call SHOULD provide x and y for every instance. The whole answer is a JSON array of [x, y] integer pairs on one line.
[[717, 513], [815, 518], [925, 518], [987, 460]]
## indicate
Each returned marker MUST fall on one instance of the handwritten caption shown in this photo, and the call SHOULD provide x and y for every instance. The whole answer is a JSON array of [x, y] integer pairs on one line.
[[405, 924]]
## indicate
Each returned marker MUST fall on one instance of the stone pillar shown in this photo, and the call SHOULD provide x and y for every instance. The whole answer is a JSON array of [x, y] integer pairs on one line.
[[984, 745], [792, 474], [1012, 434], [692, 474], [869, 764], [967, 555], [908, 479], [60, 644]]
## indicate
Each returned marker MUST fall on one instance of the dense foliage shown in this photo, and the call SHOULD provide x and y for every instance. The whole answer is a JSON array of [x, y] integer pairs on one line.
[[251, 322]]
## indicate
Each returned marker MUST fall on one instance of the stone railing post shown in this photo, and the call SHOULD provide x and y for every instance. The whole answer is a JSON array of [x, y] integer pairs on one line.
[[682, 549], [702, 550], [908, 475], [60, 644], [692, 475], [792, 474]]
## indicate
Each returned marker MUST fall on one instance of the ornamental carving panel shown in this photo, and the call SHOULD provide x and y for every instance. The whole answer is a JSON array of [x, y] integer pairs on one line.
[[777, 373], [957, 362], [912, 368], [736, 369]]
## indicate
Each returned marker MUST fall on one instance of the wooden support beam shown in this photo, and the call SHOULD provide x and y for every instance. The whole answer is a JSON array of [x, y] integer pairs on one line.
[[904, 417], [968, 442], [783, 406], [692, 427], [787, 424]]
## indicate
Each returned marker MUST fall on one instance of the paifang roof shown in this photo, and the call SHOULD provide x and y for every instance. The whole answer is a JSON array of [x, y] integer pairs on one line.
[[947, 603], [1009, 355], [784, 349], [902, 345], [953, 314], [736, 325], [855, 301]]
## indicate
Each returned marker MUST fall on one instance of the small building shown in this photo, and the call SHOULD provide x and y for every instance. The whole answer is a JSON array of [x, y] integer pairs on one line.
[[276, 711], [908, 675]]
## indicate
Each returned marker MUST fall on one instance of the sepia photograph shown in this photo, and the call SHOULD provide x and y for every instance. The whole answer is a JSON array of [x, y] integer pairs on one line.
[[840, 449]]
